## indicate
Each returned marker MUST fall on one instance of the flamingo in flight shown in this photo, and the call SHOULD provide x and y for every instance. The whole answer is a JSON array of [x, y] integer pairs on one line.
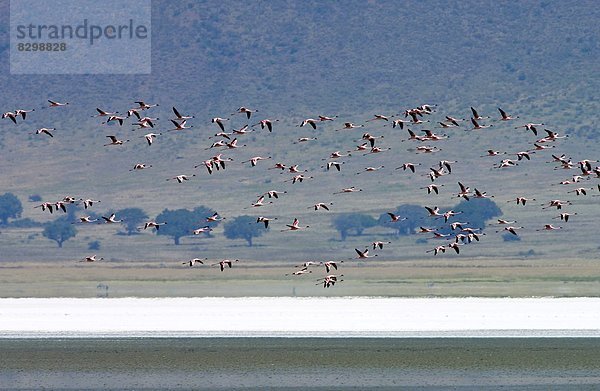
[[219, 121], [331, 264], [531, 127], [265, 220], [348, 190], [408, 166], [115, 141], [140, 166], [511, 229], [329, 280], [309, 263], [436, 250], [45, 131], [379, 244], [246, 110], [202, 230], [226, 262], [145, 106], [266, 123], [87, 203], [549, 227], [565, 216], [299, 272], [214, 218], [91, 258], [111, 219], [395, 218], [194, 261], [86, 220], [478, 126], [364, 254], [152, 224], [349, 125], [179, 125], [10, 115], [295, 226], [321, 205], [181, 178], [102, 113], [432, 188], [476, 114], [180, 117], [504, 116], [53, 103]]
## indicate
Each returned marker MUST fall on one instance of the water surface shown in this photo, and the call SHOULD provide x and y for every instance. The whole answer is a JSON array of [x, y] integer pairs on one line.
[[301, 363]]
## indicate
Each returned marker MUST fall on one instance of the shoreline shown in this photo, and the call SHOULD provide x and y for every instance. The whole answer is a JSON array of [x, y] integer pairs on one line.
[[467, 334], [289, 317]]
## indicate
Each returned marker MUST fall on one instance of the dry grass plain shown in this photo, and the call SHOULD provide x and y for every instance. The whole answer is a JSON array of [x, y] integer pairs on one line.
[[483, 277]]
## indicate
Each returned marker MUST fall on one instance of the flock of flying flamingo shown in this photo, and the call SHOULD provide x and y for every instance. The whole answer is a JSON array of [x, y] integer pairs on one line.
[[426, 141]]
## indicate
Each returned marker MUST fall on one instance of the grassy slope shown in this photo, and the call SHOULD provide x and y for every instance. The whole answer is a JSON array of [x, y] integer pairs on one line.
[[316, 59]]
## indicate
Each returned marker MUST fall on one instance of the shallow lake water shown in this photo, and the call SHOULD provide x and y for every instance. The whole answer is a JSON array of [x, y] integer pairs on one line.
[[350, 343], [300, 363]]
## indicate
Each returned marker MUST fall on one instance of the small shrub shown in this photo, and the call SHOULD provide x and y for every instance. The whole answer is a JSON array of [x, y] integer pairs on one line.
[[24, 223]]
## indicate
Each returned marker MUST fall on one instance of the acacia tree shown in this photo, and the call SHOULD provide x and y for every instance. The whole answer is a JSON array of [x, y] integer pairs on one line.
[[356, 222], [132, 218], [415, 215], [243, 227], [10, 207], [182, 222], [59, 230], [477, 211]]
